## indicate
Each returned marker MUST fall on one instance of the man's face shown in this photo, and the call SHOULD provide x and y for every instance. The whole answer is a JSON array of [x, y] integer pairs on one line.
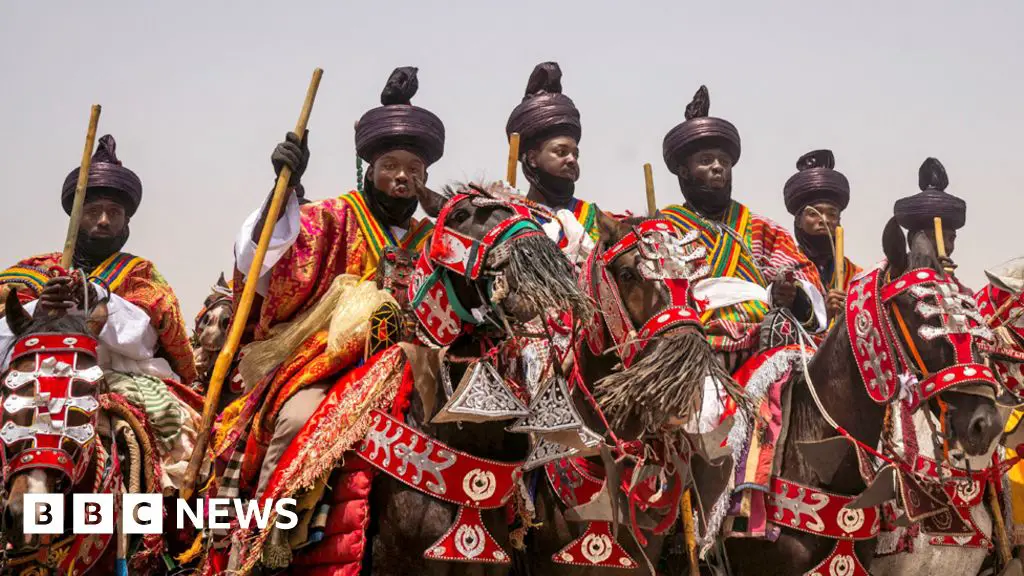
[[393, 173], [948, 235], [558, 156], [711, 167], [819, 219], [103, 216]]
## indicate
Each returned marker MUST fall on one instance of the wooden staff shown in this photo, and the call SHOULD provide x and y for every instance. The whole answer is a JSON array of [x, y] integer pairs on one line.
[[689, 533], [652, 204], [1001, 537], [940, 242], [840, 258], [227, 353], [80, 188], [513, 159]]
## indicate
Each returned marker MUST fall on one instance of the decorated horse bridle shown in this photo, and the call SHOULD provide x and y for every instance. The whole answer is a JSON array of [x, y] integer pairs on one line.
[[666, 256], [880, 351], [435, 304], [48, 391]]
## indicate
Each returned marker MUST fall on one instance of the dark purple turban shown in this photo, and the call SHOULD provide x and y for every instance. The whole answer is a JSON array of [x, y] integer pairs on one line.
[[816, 181], [918, 212], [544, 112], [699, 131], [106, 171], [397, 124]]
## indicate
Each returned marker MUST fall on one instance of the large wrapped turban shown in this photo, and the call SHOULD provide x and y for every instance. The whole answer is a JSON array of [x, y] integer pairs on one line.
[[918, 212], [544, 112], [699, 131], [106, 171], [397, 124], [816, 181]]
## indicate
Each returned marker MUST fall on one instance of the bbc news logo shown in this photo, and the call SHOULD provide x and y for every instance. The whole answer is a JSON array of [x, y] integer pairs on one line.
[[144, 514]]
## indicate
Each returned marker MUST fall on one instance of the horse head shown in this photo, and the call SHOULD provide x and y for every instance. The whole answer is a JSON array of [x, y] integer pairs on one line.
[[211, 327], [936, 331], [489, 262], [49, 410], [650, 323]]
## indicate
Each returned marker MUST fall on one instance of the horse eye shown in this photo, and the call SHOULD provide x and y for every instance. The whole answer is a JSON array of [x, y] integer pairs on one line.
[[223, 322], [460, 215]]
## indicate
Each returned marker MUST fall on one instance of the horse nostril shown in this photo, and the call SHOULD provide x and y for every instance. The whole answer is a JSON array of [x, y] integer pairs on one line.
[[982, 430]]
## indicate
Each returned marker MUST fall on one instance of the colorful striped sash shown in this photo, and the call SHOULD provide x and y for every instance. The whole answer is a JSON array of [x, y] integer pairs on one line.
[[32, 277], [728, 256], [112, 272], [380, 237], [115, 269], [586, 214]]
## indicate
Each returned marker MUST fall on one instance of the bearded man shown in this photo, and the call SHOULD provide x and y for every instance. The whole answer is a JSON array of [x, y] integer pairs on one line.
[[549, 129], [144, 349], [312, 246], [145, 330], [816, 197], [754, 265]]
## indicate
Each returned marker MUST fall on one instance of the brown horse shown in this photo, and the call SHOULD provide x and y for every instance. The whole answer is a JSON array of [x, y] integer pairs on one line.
[[211, 328], [833, 380], [538, 279], [658, 390], [64, 434]]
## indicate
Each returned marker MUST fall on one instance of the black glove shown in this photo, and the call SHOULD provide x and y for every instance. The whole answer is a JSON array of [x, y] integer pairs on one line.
[[293, 154]]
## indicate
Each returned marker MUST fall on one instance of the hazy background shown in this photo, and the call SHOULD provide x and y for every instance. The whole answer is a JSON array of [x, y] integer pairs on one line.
[[198, 93]]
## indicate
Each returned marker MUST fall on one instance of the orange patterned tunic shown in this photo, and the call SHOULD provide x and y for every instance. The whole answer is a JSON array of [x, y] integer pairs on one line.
[[130, 277]]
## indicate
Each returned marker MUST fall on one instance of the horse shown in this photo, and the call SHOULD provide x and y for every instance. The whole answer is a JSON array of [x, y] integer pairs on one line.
[[647, 359], [843, 400], [64, 433], [487, 272], [211, 329]]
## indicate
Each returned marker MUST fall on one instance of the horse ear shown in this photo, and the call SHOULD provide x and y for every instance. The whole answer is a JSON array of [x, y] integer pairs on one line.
[[431, 201], [609, 229], [221, 281], [894, 244], [18, 319]]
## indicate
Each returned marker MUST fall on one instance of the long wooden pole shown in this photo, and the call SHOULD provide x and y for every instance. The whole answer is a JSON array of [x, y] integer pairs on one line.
[[686, 506], [840, 258], [83, 183], [227, 353], [689, 533], [652, 204], [513, 159], [940, 242]]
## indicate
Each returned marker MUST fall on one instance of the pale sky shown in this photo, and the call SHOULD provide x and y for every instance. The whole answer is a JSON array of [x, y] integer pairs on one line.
[[197, 95]]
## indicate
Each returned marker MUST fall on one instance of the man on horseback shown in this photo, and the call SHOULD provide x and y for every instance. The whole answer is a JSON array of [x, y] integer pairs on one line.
[[143, 346], [816, 196], [549, 128], [315, 244], [143, 305], [754, 264]]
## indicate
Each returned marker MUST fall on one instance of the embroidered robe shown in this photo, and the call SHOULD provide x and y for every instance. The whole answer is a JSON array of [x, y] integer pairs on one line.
[[750, 248], [335, 236], [133, 278]]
